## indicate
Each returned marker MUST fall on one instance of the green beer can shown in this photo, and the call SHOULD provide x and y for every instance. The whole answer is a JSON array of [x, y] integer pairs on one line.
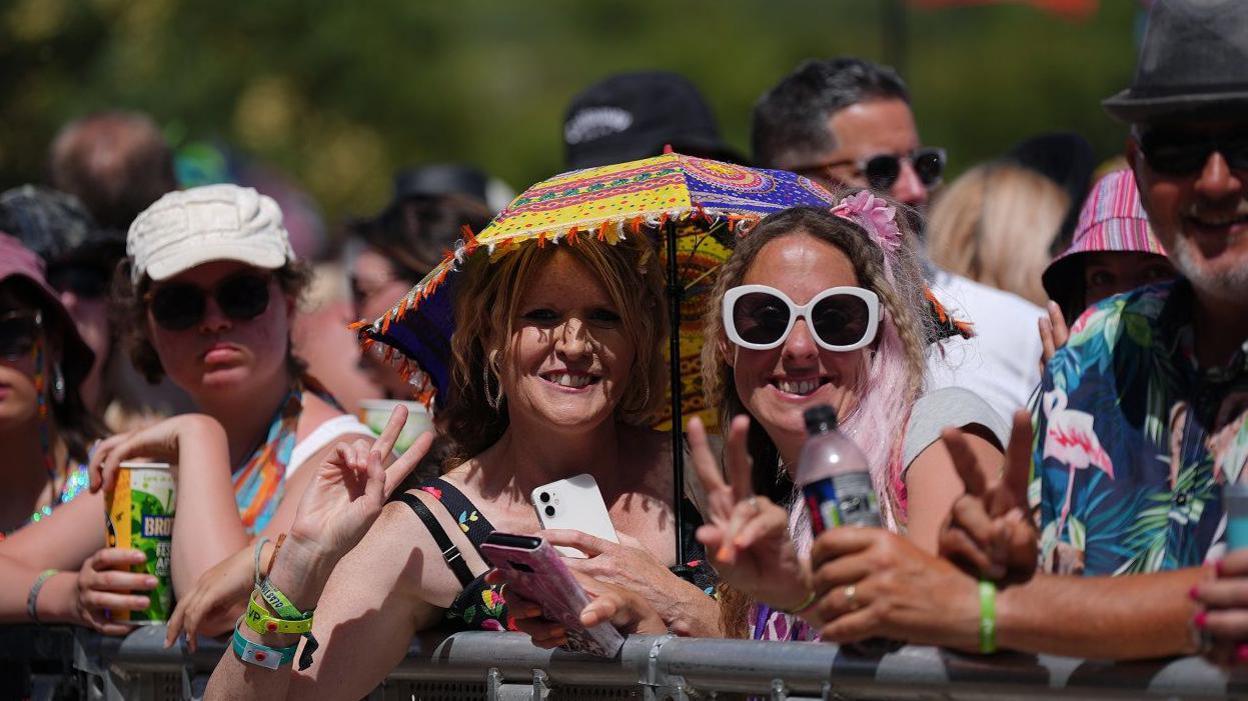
[[140, 516]]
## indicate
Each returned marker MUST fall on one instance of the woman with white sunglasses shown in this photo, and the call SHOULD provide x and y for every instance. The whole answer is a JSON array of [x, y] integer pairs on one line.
[[823, 308]]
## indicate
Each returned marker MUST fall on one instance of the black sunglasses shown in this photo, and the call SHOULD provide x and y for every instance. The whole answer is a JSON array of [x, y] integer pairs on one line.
[[179, 306], [19, 331], [882, 171], [1174, 152]]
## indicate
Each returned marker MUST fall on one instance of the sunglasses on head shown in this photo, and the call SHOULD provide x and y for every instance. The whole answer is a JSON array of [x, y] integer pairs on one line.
[[759, 317], [882, 171], [179, 306], [19, 332], [1178, 152]]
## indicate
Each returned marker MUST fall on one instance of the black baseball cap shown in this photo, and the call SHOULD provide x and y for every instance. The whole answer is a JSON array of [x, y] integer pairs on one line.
[[437, 179], [629, 116], [58, 228]]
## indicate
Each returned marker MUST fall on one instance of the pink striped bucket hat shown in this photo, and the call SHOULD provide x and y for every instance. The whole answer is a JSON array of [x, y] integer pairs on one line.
[[1112, 219]]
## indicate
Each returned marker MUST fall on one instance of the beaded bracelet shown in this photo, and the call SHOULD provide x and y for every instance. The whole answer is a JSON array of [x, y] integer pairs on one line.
[[261, 655], [987, 617]]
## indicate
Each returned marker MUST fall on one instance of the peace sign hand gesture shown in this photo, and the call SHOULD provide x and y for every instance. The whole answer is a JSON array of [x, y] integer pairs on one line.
[[343, 500], [747, 539], [989, 532]]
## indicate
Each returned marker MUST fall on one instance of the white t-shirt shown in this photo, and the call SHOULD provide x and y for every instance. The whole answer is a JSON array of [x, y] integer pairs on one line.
[[321, 436], [1002, 362]]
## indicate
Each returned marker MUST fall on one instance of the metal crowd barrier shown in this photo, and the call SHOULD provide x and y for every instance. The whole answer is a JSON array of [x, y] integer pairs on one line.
[[51, 664]]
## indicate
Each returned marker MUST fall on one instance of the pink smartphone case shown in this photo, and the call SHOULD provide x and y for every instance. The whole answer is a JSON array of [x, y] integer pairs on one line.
[[551, 585]]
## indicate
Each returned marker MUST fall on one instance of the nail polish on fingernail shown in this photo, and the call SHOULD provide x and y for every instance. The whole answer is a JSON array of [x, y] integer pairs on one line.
[[1193, 593], [1217, 567], [1200, 619], [1241, 652]]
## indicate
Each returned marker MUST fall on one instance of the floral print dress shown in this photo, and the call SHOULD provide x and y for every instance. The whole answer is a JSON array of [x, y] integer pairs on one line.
[[1133, 441]]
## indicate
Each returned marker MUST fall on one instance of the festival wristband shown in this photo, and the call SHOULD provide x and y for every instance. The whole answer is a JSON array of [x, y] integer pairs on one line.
[[802, 607], [280, 604], [262, 655], [987, 617], [286, 611], [259, 620], [32, 598], [273, 555], [256, 560]]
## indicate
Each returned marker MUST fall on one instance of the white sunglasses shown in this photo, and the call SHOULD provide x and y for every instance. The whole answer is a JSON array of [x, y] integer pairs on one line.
[[840, 319]]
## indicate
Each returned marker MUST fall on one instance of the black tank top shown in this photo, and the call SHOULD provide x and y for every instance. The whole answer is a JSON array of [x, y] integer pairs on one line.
[[479, 606]]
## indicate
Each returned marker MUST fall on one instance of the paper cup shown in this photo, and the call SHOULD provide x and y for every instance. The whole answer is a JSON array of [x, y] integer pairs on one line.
[[375, 413]]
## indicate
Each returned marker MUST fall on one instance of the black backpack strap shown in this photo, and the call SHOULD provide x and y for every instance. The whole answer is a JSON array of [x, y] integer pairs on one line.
[[450, 552]]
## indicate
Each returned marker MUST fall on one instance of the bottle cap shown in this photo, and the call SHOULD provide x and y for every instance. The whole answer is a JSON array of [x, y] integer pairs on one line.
[[820, 419]]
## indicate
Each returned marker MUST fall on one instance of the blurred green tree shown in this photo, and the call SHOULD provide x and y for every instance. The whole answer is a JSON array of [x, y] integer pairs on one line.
[[337, 95]]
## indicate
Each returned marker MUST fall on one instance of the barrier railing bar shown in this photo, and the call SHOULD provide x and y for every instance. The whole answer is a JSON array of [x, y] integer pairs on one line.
[[508, 666]]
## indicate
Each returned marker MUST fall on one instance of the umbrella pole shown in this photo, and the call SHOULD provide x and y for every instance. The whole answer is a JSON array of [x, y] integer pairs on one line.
[[675, 294]]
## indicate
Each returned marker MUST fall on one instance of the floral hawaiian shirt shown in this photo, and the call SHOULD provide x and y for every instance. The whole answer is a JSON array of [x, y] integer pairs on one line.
[[1134, 442]]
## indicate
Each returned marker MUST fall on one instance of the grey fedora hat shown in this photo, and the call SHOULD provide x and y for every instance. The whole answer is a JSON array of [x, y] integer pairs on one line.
[[1193, 61]]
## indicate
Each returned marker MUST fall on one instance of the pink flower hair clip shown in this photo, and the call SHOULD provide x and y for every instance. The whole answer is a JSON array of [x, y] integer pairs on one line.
[[874, 215]]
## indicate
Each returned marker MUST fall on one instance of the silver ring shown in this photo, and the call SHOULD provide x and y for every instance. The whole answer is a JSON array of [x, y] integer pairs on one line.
[[753, 502], [851, 591]]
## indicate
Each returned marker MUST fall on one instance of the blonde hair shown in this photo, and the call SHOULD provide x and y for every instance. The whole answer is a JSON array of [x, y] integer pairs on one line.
[[995, 224], [486, 300]]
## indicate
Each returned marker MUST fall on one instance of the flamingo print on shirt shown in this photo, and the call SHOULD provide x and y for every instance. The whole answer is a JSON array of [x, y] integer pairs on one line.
[[1130, 447], [1070, 438]]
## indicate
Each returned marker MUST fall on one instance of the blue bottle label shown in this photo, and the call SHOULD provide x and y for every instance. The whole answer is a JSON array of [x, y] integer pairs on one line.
[[843, 500]]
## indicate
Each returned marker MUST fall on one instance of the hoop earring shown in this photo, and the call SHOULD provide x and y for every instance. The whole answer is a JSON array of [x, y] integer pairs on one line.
[[58, 384], [495, 401]]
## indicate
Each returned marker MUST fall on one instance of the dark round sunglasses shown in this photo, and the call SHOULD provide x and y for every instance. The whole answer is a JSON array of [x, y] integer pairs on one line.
[[179, 306], [19, 331], [1172, 152], [881, 172]]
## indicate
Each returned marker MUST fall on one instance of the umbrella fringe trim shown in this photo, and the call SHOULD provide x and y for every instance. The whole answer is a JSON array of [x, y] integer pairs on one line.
[[423, 390], [608, 231]]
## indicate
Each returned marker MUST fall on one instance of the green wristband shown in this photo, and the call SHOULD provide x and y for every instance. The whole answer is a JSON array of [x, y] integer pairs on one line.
[[280, 604], [987, 617]]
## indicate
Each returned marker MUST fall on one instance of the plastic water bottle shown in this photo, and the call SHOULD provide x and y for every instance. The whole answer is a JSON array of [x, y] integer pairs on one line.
[[834, 475], [836, 482]]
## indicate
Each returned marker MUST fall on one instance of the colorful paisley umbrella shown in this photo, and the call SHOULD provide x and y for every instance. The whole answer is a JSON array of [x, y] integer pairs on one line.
[[695, 206]]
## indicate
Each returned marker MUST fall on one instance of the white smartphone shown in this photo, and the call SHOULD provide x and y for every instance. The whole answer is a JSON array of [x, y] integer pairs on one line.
[[575, 504]]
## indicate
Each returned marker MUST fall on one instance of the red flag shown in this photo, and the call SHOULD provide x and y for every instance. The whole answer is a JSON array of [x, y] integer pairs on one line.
[[1073, 10]]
